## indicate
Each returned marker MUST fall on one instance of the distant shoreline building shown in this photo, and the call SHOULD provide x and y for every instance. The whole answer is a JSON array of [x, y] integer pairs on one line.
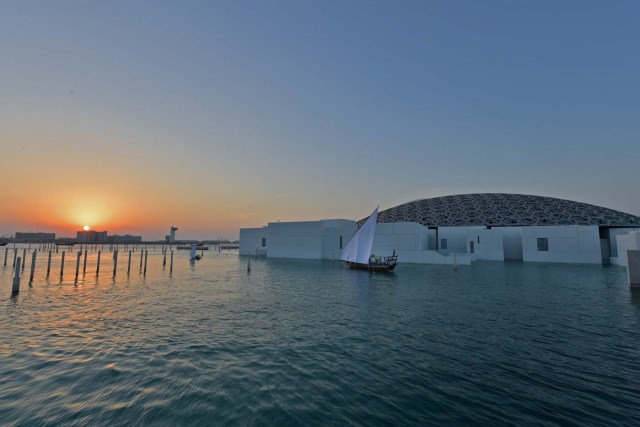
[[36, 237], [92, 236], [463, 229], [171, 237], [124, 239]]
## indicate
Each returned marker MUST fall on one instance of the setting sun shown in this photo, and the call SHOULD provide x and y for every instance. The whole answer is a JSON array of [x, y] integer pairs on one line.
[[85, 228]]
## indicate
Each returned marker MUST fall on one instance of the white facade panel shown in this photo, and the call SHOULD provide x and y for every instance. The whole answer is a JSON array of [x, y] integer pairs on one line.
[[334, 232], [512, 243], [251, 241], [565, 244], [613, 233], [626, 242], [294, 240]]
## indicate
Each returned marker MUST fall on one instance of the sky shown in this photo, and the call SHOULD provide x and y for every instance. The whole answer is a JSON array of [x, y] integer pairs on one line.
[[133, 116]]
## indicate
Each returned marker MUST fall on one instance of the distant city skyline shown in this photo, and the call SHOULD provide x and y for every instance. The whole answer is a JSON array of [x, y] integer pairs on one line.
[[212, 116]]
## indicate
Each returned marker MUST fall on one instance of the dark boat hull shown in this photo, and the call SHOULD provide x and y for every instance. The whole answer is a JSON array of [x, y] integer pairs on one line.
[[372, 267]]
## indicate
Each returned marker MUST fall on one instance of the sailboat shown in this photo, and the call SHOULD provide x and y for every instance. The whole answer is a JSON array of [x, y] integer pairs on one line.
[[357, 252], [193, 255]]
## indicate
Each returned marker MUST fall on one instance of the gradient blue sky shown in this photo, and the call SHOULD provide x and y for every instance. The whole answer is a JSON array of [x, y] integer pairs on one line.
[[136, 115]]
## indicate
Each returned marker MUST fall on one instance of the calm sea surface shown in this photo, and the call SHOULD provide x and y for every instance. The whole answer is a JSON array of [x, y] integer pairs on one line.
[[310, 343]]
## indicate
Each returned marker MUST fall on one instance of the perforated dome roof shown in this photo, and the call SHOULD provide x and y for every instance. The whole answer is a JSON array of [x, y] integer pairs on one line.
[[497, 209]]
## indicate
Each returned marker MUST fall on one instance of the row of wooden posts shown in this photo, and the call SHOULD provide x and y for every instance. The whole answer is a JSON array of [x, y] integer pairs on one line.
[[19, 264], [42, 247]]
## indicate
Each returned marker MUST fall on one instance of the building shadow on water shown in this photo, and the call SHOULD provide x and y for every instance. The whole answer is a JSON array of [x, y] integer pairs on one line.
[[634, 294]]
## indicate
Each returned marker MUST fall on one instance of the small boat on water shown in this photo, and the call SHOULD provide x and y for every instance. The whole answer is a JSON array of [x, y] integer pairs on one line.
[[357, 252], [3, 243], [193, 256]]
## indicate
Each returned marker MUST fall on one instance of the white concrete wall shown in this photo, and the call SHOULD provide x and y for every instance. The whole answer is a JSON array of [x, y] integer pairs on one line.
[[487, 244], [633, 267], [433, 257], [406, 236], [567, 243], [456, 239], [613, 233], [321, 240], [624, 243], [331, 230], [294, 240], [512, 243], [309, 239], [410, 241], [490, 246], [251, 240]]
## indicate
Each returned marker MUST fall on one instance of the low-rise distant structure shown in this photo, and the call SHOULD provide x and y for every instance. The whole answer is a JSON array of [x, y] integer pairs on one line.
[[66, 241], [171, 237], [91, 236], [124, 239], [36, 237]]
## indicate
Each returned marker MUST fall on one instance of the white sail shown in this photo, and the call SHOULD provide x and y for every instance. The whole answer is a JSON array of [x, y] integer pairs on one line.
[[192, 253], [358, 249]]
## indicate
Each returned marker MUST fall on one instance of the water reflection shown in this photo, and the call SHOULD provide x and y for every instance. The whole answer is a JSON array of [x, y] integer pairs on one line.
[[310, 342]]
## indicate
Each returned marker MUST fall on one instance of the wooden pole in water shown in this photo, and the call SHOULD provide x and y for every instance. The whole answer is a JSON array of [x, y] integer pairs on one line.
[[24, 257], [78, 264], [98, 266], [15, 254], [141, 257], [129, 263], [16, 279], [6, 252], [33, 266], [164, 260], [84, 266], [49, 264], [62, 265], [249, 266], [115, 262], [146, 254], [171, 266]]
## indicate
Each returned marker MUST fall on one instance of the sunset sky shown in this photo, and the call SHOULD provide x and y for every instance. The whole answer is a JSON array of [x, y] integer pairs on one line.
[[132, 116]]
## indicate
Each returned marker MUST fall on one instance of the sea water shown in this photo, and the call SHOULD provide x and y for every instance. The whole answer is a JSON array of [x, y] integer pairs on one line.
[[296, 342]]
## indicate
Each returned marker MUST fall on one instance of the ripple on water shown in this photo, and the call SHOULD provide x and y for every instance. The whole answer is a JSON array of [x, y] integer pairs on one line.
[[310, 343]]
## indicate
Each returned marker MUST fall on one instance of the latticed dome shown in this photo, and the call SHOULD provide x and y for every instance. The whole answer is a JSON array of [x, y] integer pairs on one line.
[[496, 209]]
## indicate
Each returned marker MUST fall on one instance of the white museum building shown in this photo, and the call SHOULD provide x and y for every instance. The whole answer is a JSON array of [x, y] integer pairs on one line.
[[462, 229]]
